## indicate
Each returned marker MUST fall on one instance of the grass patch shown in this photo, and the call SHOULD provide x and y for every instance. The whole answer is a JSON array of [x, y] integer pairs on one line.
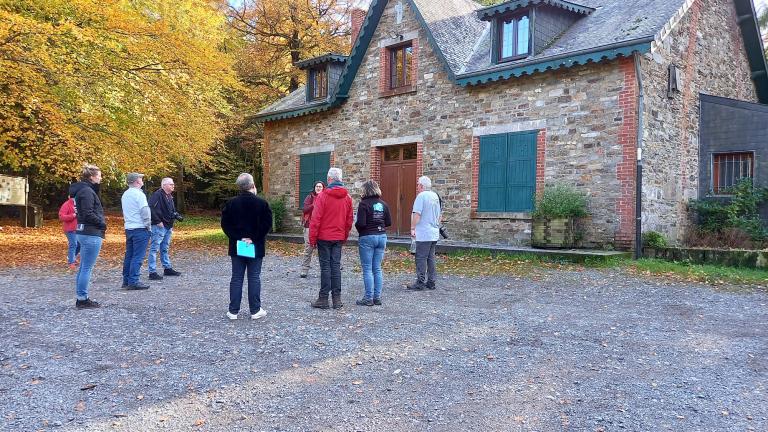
[[710, 274]]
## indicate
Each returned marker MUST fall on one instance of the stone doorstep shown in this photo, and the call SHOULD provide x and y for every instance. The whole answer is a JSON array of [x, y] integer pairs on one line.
[[445, 246]]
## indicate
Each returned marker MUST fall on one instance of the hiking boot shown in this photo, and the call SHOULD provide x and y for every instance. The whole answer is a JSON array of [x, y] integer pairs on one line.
[[155, 276], [86, 304], [416, 286], [336, 297], [260, 314], [377, 301], [320, 303], [137, 286], [364, 302], [431, 286], [171, 272]]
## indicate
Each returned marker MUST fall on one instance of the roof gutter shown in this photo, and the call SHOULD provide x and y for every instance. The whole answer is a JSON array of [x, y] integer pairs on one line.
[[586, 55]]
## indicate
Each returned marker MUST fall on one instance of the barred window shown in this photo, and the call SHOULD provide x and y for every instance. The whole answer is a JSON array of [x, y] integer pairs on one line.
[[729, 168]]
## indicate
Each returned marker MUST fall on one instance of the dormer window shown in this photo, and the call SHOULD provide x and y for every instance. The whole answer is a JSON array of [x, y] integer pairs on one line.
[[514, 37], [318, 83]]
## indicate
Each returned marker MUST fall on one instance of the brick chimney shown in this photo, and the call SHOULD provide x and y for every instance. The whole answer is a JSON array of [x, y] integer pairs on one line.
[[358, 17]]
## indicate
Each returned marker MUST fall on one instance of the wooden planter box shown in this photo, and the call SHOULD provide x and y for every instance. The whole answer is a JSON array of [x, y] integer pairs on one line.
[[553, 233]]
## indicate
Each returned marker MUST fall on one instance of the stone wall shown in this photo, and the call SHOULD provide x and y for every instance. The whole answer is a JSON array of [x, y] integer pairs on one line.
[[707, 47], [581, 113]]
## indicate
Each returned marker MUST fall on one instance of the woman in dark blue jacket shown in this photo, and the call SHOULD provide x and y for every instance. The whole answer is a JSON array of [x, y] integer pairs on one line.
[[372, 221], [91, 227]]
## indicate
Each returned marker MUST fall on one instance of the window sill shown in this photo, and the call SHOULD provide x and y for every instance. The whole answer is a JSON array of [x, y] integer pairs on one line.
[[397, 91], [501, 215]]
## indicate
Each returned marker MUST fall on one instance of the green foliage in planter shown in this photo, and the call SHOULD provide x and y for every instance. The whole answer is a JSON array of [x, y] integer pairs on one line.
[[560, 201], [279, 211], [742, 211], [653, 239]]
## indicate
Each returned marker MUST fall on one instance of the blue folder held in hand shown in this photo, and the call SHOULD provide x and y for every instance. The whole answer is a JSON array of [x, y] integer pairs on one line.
[[247, 250]]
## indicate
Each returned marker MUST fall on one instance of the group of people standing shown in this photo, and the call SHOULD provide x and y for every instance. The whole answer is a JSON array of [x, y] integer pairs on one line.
[[146, 223], [328, 218]]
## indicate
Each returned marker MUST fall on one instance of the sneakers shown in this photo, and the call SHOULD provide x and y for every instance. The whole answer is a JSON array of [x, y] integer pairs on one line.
[[377, 301], [171, 272], [73, 266], [86, 304], [260, 314], [155, 276], [365, 302], [137, 286], [431, 286]]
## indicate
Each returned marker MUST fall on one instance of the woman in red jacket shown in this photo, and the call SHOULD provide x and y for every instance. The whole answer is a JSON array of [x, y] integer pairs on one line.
[[309, 205], [68, 218]]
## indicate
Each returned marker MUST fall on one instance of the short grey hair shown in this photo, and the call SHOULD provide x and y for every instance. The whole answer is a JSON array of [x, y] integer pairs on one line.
[[166, 181], [425, 182], [334, 174], [244, 182], [370, 189]]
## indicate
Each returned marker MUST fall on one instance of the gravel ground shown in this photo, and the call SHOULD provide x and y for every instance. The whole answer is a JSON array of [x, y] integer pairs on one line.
[[574, 351]]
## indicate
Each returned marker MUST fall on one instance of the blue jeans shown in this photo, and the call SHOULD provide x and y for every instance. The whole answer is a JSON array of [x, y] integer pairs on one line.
[[371, 249], [161, 240], [73, 247], [329, 253], [89, 251], [239, 266], [136, 241]]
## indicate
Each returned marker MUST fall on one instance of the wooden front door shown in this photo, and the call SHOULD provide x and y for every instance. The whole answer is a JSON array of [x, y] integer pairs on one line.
[[398, 185]]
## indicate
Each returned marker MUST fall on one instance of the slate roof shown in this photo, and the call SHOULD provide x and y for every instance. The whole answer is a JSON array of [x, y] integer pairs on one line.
[[462, 41]]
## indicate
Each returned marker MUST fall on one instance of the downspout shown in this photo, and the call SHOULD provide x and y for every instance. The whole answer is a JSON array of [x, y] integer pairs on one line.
[[639, 167]]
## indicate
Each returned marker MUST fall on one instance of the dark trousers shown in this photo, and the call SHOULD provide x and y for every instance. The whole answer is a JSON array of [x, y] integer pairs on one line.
[[425, 263], [329, 253], [136, 241], [239, 267]]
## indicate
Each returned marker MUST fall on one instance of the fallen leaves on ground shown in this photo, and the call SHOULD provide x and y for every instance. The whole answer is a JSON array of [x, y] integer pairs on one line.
[[47, 246]]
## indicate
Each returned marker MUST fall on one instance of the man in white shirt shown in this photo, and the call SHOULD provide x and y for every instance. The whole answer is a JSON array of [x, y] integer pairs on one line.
[[138, 221], [425, 229]]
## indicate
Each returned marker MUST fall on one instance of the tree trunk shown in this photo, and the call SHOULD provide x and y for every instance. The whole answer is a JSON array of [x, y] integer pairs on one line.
[[181, 201]]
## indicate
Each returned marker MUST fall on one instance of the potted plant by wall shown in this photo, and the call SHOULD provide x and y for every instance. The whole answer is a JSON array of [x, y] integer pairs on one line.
[[554, 217]]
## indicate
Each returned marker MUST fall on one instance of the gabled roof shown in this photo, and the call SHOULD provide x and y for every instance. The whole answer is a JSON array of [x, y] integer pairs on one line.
[[491, 12], [461, 40]]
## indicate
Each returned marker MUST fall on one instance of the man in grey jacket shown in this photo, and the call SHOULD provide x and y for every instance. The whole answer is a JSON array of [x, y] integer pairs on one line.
[[137, 231]]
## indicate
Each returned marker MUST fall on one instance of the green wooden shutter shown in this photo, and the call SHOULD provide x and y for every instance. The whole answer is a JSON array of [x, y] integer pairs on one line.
[[507, 180], [521, 171], [312, 167], [493, 173]]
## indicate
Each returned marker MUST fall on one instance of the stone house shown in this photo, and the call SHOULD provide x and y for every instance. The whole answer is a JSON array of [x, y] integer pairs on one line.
[[495, 103]]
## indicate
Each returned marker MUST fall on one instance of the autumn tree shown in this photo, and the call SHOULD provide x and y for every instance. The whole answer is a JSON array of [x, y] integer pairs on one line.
[[279, 33], [132, 85]]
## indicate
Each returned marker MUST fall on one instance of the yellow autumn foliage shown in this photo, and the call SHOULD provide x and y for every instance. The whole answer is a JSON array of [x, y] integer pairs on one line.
[[131, 85]]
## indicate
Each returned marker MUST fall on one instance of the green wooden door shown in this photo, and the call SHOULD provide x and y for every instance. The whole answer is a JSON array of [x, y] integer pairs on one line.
[[507, 172], [312, 167]]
